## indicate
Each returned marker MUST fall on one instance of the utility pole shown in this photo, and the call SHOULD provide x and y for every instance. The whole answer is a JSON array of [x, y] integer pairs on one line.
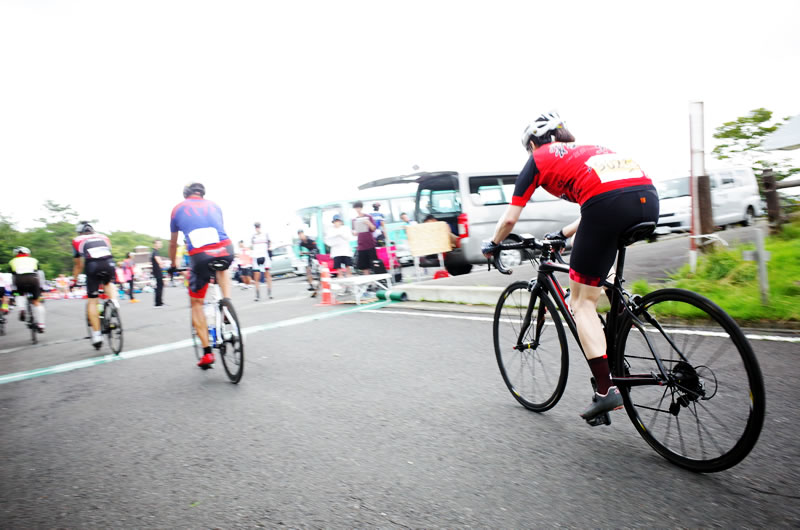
[[702, 215]]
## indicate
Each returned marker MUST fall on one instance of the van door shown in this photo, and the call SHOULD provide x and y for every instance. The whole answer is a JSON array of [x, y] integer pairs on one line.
[[439, 196], [724, 199]]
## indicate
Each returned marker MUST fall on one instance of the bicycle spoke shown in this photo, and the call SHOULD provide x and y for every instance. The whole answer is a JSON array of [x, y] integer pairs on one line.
[[702, 427]]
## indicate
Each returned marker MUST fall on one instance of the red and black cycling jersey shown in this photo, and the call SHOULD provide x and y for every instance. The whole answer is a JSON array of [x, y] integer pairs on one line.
[[576, 173], [92, 247]]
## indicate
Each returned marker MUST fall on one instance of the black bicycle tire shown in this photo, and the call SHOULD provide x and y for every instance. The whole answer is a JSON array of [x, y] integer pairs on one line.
[[234, 376], [755, 421], [562, 339], [31, 322], [109, 314]]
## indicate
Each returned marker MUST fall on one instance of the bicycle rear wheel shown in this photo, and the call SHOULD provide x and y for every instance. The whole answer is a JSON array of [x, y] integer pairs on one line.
[[112, 324], [533, 364], [708, 414], [32, 322], [231, 345]]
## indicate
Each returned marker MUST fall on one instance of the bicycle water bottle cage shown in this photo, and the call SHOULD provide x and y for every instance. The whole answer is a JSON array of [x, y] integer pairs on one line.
[[217, 265], [636, 233]]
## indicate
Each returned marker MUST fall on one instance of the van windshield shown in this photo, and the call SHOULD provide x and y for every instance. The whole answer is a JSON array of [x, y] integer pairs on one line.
[[672, 188]]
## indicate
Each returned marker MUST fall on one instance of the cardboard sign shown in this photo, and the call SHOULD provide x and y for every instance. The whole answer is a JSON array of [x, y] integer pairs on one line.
[[428, 238]]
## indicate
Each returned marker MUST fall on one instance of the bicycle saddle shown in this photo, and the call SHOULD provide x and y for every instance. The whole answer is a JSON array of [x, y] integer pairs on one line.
[[218, 265], [636, 233]]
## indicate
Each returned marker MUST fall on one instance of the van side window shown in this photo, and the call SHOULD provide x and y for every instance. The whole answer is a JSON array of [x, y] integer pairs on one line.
[[486, 191], [491, 190], [726, 179]]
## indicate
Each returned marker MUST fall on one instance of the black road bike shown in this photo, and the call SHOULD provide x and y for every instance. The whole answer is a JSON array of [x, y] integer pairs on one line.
[[688, 376], [110, 325], [224, 333]]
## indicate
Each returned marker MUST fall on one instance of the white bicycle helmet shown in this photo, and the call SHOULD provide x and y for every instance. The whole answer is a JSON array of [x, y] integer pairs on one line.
[[544, 124], [22, 250]]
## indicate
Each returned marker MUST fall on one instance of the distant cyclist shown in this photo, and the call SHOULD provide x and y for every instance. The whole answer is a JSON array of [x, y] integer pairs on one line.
[[259, 250], [24, 271], [92, 253], [614, 194], [200, 221]]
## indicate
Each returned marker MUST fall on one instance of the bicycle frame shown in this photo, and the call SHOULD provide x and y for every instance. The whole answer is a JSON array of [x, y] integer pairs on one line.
[[547, 282]]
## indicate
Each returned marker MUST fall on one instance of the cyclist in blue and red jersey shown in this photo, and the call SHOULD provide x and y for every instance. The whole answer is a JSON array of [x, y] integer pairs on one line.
[[92, 252], [200, 221], [614, 194]]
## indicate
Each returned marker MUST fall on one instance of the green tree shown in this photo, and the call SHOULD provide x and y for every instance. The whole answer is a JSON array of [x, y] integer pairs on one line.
[[9, 238], [742, 139], [124, 242]]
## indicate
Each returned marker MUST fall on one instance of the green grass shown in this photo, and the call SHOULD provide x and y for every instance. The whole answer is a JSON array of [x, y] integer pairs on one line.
[[732, 283]]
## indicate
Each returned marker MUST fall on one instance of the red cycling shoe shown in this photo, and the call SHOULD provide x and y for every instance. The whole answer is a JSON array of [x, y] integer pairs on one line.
[[206, 362]]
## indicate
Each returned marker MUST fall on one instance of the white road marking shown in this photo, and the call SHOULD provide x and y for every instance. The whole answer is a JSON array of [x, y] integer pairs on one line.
[[750, 336]]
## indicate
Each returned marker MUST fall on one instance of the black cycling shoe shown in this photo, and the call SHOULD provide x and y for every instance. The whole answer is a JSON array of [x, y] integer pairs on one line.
[[603, 403], [310, 288]]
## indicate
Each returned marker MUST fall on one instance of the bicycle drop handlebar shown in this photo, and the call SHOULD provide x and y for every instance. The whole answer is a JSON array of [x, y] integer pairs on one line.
[[550, 250]]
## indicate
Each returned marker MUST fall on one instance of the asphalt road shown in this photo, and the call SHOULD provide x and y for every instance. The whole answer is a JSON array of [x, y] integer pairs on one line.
[[348, 417]]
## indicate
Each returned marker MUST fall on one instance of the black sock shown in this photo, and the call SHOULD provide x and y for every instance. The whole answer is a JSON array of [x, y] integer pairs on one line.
[[601, 373], [207, 349]]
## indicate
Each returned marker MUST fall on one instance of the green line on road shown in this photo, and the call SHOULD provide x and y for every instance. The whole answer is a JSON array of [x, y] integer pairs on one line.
[[160, 348]]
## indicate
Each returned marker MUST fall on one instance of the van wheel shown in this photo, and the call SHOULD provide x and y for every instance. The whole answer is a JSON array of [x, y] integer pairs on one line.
[[749, 216], [458, 270]]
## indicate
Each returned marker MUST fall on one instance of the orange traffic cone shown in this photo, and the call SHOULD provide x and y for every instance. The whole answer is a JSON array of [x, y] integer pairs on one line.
[[325, 286]]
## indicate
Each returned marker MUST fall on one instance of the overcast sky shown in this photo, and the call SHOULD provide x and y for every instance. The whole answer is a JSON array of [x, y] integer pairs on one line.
[[112, 106]]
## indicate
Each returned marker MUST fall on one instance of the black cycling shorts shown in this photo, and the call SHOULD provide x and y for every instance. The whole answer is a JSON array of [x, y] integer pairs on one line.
[[28, 284], [200, 274], [98, 272], [365, 258], [342, 261], [604, 218]]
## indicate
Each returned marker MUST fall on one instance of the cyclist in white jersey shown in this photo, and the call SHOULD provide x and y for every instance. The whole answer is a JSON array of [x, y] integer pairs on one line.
[[259, 245]]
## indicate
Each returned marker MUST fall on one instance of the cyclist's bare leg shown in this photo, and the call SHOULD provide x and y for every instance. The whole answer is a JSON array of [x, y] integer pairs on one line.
[[91, 310], [257, 282], [111, 290], [269, 282], [224, 282], [583, 301], [199, 321]]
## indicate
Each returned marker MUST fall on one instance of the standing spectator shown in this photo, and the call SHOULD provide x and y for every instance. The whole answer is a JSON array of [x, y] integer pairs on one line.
[[380, 226], [129, 269], [245, 265], [62, 284], [338, 238], [158, 264], [311, 248], [260, 243], [363, 226]]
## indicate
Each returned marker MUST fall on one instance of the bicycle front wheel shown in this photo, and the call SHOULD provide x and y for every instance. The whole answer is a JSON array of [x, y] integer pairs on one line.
[[533, 359], [231, 341], [708, 413], [112, 322]]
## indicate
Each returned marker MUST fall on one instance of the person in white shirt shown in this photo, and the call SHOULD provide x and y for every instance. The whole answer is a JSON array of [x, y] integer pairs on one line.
[[338, 238], [259, 250]]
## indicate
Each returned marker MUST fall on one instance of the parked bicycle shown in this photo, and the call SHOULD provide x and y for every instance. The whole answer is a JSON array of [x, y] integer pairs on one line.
[[224, 334], [110, 324], [688, 376]]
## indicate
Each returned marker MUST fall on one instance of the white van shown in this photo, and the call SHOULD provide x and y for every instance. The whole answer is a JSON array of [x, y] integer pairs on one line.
[[472, 203], [734, 199]]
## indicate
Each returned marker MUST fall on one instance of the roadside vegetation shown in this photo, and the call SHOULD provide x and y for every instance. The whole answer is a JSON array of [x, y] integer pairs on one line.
[[732, 283], [51, 243]]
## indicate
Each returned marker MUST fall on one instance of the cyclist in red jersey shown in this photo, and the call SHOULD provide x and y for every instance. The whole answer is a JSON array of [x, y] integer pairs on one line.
[[92, 253], [206, 243], [614, 194]]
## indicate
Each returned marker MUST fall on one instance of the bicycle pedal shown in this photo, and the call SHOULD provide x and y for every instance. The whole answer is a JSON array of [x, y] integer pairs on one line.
[[600, 419]]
